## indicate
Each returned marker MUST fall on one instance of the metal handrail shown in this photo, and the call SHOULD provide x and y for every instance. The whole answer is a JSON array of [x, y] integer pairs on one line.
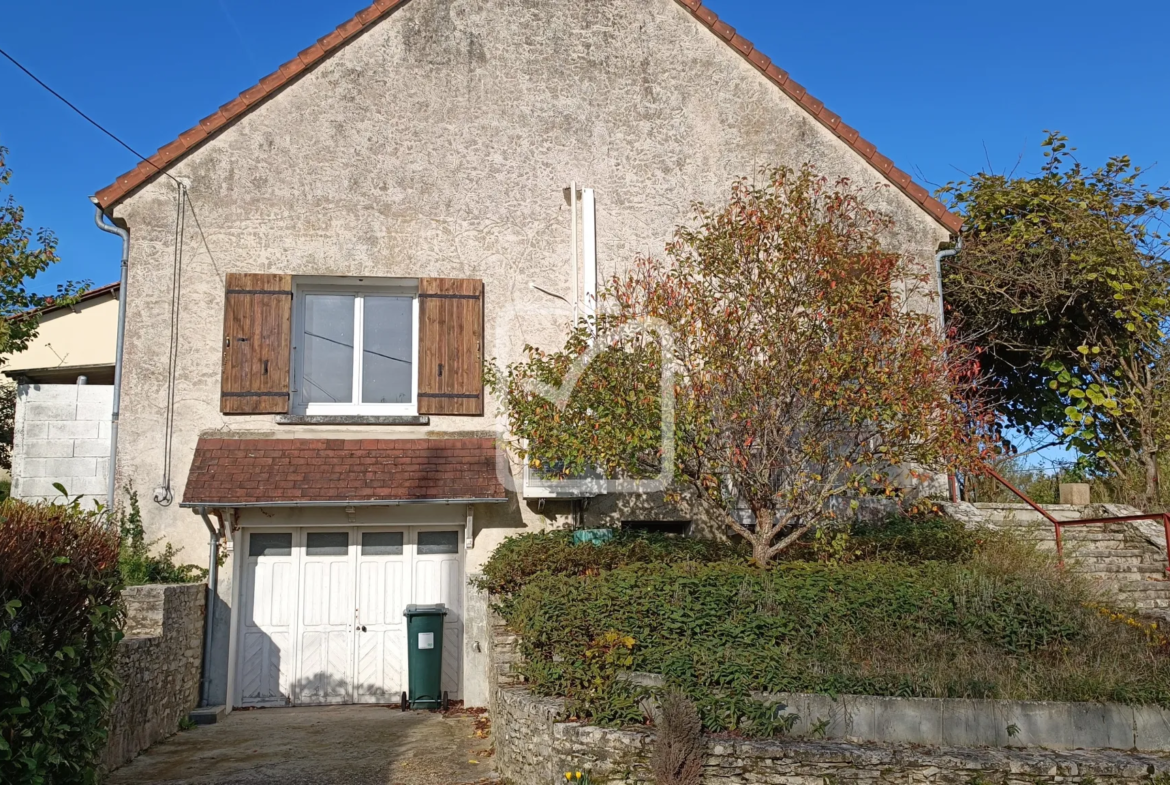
[[1057, 525]]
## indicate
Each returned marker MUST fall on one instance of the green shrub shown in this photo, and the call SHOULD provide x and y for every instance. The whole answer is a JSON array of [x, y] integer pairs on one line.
[[995, 621], [62, 610], [916, 539], [518, 559], [139, 566]]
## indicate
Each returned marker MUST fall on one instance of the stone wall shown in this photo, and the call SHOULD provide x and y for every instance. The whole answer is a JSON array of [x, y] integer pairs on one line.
[[61, 435], [159, 666], [534, 748]]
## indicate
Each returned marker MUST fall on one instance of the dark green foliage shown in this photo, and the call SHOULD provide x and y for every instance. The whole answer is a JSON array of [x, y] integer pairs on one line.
[[139, 565], [939, 613], [518, 559], [62, 616], [914, 540]]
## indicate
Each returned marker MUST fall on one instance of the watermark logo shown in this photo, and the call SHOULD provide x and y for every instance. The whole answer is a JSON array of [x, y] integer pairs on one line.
[[538, 324]]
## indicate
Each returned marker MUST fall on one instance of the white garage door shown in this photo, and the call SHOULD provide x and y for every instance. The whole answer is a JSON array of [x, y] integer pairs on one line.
[[322, 612]]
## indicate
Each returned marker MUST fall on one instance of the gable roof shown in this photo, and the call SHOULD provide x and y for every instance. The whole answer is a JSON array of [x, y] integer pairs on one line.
[[326, 46]]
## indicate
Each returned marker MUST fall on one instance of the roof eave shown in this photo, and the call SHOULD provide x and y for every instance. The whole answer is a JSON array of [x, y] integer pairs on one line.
[[336, 503], [193, 138]]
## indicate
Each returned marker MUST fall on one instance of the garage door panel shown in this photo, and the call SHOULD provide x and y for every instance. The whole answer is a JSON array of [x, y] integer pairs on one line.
[[269, 600], [340, 605], [324, 667]]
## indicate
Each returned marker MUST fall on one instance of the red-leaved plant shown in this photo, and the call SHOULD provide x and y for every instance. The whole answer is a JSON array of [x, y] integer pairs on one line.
[[805, 361]]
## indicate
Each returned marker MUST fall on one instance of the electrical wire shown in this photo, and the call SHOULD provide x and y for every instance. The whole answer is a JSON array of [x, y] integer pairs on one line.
[[116, 138]]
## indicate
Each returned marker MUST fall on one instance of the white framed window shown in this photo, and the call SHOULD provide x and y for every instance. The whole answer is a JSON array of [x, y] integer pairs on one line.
[[355, 347]]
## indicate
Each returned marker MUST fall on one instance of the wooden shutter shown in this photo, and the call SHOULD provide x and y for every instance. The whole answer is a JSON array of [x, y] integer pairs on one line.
[[257, 328], [450, 346]]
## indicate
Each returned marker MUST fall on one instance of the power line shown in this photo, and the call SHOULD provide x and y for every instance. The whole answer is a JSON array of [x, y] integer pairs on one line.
[[87, 118], [116, 138]]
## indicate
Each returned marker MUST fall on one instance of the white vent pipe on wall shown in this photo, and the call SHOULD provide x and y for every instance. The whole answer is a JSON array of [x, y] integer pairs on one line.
[[589, 252]]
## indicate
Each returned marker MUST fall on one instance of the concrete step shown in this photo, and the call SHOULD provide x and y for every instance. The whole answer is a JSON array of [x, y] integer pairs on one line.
[[1093, 556], [1143, 587]]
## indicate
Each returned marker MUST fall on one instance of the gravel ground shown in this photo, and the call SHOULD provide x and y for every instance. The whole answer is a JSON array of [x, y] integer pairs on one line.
[[321, 745]]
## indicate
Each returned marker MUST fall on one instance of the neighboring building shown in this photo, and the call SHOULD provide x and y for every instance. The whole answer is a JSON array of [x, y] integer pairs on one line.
[[64, 399], [369, 224]]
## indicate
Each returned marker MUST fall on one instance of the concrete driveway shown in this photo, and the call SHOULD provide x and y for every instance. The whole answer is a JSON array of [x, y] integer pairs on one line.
[[329, 744]]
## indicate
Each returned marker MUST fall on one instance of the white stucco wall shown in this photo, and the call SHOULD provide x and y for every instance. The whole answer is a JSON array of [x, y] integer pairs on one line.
[[62, 435]]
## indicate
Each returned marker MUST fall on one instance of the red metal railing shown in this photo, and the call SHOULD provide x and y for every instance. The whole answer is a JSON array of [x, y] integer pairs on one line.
[[1058, 525]]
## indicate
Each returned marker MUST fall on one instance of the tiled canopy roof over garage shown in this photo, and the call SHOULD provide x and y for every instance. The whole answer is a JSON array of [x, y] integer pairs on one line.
[[315, 54], [237, 472]]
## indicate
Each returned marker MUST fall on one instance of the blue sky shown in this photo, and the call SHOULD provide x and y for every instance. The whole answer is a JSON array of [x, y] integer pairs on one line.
[[941, 88]]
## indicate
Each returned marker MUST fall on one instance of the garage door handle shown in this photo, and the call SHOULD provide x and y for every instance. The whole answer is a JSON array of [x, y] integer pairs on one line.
[[363, 628]]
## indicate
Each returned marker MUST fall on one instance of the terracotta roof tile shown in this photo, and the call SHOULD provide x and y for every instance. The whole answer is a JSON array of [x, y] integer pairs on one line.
[[289, 72], [231, 472]]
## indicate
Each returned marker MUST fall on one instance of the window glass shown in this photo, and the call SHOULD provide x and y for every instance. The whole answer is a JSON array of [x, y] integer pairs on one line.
[[438, 542], [381, 543], [270, 544], [327, 544], [328, 363], [387, 349]]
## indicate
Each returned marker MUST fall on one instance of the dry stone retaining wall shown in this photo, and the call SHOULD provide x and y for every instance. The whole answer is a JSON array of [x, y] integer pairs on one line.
[[158, 665], [534, 748]]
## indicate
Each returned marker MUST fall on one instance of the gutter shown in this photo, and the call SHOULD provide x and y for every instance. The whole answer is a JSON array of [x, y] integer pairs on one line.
[[99, 219], [209, 611], [354, 503]]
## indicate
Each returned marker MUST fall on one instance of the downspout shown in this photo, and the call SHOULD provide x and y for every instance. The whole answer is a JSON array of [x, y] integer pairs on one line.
[[938, 257], [125, 235], [209, 612], [952, 480]]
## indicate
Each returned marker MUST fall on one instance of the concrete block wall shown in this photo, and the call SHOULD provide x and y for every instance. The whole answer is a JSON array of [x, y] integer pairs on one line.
[[62, 435]]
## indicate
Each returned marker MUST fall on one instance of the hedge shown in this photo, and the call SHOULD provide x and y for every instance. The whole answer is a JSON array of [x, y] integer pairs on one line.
[[60, 600], [991, 620]]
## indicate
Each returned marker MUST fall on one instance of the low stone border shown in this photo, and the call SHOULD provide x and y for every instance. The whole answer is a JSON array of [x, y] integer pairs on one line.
[[954, 722], [534, 748]]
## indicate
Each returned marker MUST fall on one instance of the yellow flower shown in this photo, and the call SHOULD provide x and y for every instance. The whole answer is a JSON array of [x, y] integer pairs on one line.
[[568, 775], [578, 775]]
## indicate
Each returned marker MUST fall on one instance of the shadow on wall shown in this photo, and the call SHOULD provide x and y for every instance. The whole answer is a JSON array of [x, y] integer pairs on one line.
[[265, 680]]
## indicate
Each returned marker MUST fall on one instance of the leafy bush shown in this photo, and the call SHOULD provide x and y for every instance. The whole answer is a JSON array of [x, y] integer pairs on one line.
[[61, 604], [518, 559], [995, 621], [138, 564]]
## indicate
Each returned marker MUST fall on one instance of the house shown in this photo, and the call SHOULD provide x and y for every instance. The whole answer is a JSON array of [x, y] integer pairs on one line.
[[336, 251], [64, 379]]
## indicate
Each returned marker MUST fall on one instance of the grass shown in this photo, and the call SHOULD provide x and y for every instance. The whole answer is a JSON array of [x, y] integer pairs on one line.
[[914, 608]]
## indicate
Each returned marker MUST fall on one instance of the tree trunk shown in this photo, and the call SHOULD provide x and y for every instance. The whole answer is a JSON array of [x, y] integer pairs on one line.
[[1153, 481], [760, 546]]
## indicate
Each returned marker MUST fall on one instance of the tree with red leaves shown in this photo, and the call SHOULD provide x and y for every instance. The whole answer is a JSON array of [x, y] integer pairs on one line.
[[799, 378]]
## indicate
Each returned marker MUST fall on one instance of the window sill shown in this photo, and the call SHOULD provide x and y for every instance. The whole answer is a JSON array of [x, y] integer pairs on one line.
[[352, 419]]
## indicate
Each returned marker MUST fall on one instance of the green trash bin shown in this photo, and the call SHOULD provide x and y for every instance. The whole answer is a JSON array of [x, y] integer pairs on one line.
[[424, 658]]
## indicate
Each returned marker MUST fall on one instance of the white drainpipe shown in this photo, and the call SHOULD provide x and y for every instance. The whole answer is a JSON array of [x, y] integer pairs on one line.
[[125, 235], [589, 251]]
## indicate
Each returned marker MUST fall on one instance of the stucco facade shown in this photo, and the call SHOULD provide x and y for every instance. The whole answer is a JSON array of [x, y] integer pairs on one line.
[[439, 143]]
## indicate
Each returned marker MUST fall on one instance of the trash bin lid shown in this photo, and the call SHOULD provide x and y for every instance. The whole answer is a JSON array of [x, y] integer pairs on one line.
[[425, 610]]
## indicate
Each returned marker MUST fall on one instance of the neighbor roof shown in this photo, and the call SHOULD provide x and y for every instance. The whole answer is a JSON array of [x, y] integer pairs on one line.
[[110, 288], [315, 54], [262, 472]]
